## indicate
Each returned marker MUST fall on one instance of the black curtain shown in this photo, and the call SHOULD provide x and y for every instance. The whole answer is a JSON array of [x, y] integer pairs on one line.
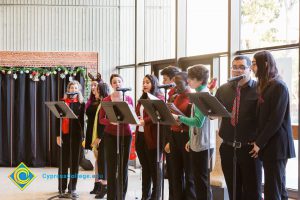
[[27, 128]]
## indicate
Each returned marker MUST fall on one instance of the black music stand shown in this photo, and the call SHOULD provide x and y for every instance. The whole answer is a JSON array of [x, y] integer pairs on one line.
[[210, 107], [159, 114], [119, 112], [61, 110]]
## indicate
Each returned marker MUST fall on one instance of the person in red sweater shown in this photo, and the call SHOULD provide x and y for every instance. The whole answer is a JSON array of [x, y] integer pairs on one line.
[[168, 75], [180, 160], [146, 136], [110, 142]]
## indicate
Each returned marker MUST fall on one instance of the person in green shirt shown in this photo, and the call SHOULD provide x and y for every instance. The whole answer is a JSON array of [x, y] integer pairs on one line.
[[199, 143]]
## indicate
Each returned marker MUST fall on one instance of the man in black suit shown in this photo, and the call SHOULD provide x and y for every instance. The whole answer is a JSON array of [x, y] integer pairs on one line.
[[240, 98], [274, 142]]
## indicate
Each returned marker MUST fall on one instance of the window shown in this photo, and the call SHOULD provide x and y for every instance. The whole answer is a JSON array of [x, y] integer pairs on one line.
[[159, 29], [207, 27], [269, 23]]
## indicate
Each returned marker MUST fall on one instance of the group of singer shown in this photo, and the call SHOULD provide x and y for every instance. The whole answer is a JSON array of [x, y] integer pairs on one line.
[[259, 133]]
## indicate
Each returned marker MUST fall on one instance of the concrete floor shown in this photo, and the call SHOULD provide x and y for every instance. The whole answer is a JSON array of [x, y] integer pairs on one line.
[[41, 188]]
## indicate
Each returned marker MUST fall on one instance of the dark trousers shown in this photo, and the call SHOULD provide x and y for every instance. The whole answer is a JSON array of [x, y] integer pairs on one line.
[[101, 161], [248, 172], [200, 171], [274, 188], [148, 160], [165, 138], [181, 168], [70, 159], [110, 145], [169, 172]]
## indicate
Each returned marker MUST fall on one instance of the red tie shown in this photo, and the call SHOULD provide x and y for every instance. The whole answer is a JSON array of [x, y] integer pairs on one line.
[[236, 107]]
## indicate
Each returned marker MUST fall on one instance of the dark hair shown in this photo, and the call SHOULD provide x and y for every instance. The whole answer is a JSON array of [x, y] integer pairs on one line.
[[103, 90], [92, 96], [154, 86], [115, 75], [266, 69], [183, 76], [170, 71], [241, 57], [199, 72]]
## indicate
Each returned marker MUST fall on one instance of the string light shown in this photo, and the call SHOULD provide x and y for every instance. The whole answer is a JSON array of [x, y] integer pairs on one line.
[[40, 73]]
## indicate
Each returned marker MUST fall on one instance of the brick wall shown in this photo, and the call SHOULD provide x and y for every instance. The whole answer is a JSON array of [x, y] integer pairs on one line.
[[49, 59]]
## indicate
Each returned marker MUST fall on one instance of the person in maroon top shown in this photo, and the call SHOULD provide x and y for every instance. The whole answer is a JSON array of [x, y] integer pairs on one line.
[[146, 136], [168, 74], [110, 142], [180, 159]]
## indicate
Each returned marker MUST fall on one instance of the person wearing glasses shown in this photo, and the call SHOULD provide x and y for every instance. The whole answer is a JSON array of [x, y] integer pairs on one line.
[[274, 142], [240, 98]]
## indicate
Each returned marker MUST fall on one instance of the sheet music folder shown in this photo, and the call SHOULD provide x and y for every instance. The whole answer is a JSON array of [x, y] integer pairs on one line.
[[58, 107], [208, 104], [120, 112], [158, 108]]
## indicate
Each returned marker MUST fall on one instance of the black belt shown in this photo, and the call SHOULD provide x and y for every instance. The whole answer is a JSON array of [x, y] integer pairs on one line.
[[236, 144]]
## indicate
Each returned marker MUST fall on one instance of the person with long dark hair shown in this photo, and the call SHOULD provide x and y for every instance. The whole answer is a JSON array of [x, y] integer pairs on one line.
[[110, 142], [146, 136], [72, 135], [98, 144], [90, 110], [274, 142]]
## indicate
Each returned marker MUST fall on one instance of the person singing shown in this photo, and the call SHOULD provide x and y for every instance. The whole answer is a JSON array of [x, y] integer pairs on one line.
[[146, 145], [248, 169], [181, 166], [198, 145], [274, 141], [72, 135], [110, 142]]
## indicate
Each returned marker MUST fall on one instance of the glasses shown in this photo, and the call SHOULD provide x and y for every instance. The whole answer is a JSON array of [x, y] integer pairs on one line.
[[240, 67]]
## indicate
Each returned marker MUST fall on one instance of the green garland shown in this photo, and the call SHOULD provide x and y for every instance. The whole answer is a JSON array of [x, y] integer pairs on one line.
[[40, 73]]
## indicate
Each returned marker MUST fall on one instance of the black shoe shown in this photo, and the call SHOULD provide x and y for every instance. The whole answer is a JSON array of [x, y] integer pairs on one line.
[[102, 192], [97, 186], [61, 191]]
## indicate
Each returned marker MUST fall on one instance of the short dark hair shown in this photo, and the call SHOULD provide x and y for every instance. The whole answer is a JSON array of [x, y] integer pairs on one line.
[[183, 76], [115, 75], [199, 72], [242, 57], [170, 71]]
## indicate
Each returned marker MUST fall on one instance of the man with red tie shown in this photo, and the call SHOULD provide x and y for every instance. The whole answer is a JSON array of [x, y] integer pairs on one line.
[[240, 98]]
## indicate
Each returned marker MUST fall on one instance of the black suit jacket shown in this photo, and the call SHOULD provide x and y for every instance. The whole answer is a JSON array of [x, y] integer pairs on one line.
[[274, 136]]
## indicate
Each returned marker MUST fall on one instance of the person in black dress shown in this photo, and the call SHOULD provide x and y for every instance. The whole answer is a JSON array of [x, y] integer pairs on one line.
[[90, 110]]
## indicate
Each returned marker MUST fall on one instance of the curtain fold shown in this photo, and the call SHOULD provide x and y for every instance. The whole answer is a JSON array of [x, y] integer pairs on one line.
[[27, 128], [5, 157]]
